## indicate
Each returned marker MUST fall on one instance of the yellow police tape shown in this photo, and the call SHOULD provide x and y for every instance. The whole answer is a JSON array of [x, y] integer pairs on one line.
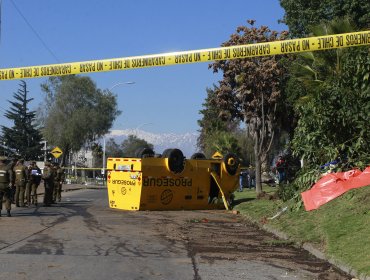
[[195, 56], [83, 168]]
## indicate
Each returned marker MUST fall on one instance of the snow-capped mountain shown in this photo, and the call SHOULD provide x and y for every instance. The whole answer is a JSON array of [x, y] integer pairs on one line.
[[185, 142]]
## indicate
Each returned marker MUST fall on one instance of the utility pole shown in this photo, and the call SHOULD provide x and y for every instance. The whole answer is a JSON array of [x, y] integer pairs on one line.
[[103, 170], [45, 154]]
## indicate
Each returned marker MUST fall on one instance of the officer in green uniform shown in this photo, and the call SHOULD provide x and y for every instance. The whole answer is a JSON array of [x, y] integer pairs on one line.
[[20, 182], [11, 166], [5, 185], [48, 177], [58, 182], [34, 180]]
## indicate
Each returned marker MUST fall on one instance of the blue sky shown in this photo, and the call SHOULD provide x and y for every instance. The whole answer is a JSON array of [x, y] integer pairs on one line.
[[163, 99]]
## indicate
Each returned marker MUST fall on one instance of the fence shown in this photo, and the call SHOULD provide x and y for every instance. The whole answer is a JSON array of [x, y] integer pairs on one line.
[[84, 176]]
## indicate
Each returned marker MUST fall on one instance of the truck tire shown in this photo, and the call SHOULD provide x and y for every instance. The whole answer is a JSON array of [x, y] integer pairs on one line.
[[144, 153], [231, 162], [166, 153], [176, 160], [198, 156]]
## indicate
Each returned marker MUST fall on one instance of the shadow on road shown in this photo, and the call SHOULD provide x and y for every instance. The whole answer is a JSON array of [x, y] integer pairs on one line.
[[238, 201]]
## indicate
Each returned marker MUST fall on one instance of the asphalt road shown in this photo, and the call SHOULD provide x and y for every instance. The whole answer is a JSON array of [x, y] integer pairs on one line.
[[82, 238]]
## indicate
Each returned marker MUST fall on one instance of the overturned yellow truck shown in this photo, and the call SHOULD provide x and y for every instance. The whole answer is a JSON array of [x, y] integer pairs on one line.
[[171, 182]]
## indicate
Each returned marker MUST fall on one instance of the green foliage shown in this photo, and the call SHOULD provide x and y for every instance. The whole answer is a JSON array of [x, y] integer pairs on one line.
[[211, 124], [112, 149], [217, 134], [245, 142], [128, 148], [302, 15], [304, 180], [97, 152], [222, 142], [24, 137], [331, 96], [76, 112], [132, 144], [334, 120]]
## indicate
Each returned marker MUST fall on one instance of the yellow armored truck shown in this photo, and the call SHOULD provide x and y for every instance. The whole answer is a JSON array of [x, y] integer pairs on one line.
[[171, 182]]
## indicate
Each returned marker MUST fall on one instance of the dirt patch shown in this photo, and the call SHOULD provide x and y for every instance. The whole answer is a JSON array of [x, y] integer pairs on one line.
[[220, 235]]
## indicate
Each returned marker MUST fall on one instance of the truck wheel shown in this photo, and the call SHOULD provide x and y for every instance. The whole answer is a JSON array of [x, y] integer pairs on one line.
[[145, 153], [176, 160], [166, 153], [231, 162], [198, 156]]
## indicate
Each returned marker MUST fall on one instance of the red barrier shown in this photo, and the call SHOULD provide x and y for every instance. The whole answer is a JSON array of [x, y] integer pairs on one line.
[[333, 185]]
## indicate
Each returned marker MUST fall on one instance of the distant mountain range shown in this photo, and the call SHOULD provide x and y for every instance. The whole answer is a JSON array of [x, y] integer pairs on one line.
[[185, 142]]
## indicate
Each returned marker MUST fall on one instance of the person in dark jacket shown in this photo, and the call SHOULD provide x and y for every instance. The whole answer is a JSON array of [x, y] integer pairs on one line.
[[48, 177], [5, 185], [281, 169]]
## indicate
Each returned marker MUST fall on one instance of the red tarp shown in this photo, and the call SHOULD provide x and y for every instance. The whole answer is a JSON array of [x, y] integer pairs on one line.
[[333, 185]]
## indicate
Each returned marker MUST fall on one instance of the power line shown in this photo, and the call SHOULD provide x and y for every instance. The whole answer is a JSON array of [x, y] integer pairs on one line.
[[1, 4], [34, 31]]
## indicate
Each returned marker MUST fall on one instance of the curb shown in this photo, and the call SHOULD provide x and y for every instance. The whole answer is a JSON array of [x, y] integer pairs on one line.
[[317, 253], [311, 249]]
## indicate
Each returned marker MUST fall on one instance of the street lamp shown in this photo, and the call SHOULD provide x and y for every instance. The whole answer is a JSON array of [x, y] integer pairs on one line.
[[110, 89], [119, 84]]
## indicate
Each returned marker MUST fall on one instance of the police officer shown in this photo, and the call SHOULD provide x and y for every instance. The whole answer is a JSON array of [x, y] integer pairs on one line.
[[5, 185], [11, 166], [34, 180], [58, 182], [20, 182], [48, 177]]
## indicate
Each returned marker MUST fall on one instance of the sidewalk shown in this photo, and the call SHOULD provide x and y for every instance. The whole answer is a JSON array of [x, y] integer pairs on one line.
[[70, 187]]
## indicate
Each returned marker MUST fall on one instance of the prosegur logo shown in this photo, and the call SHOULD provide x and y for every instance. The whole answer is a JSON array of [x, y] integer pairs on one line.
[[166, 197], [124, 182], [167, 182]]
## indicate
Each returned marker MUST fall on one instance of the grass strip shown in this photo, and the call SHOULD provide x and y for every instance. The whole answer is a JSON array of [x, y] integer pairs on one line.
[[340, 228]]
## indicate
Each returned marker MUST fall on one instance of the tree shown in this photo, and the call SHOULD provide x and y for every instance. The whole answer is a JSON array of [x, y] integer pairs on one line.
[[251, 91], [334, 108], [330, 91], [23, 137], [213, 130], [246, 144], [112, 149], [223, 142], [302, 15], [97, 152], [132, 144], [76, 112]]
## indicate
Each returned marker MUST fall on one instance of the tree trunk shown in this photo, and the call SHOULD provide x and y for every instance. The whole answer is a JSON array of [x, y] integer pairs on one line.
[[62, 163], [257, 163], [64, 155]]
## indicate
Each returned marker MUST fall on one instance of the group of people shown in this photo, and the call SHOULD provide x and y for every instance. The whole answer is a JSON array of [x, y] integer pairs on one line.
[[19, 183], [247, 179]]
